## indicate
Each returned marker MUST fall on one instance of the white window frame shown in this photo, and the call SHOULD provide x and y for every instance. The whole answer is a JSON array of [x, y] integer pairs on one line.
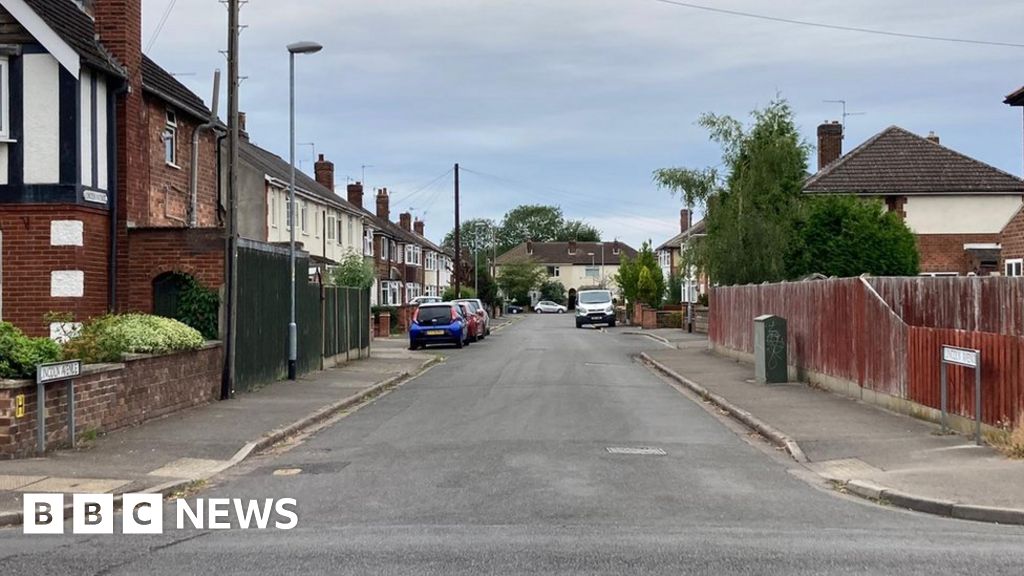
[[273, 209], [554, 271], [588, 269], [412, 255], [5, 98], [351, 231], [170, 134], [1014, 267], [368, 242], [304, 217], [332, 224]]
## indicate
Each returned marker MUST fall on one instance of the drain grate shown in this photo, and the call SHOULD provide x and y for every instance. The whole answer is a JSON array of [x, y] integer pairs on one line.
[[637, 451]]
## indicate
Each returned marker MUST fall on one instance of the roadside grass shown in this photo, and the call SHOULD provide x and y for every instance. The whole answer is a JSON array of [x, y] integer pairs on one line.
[[1009, 437]]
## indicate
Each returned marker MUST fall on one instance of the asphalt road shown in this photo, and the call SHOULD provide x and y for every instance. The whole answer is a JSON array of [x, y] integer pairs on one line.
[[496, 462]]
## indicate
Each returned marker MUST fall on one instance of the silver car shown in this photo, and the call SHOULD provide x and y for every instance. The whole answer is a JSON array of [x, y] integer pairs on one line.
[[549, 307]]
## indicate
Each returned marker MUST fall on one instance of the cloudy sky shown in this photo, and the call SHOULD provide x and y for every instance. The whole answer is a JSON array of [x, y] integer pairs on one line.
[[576, 102]]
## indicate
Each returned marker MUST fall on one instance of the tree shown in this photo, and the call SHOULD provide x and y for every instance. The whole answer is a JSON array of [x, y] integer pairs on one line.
[[477, 234], [517, 279], [354, 271], [464, 292], [675, 288], [487, 287], [751, 214], [846, 236], [553, 290], [578, 230], [632, 269], [529, 222]]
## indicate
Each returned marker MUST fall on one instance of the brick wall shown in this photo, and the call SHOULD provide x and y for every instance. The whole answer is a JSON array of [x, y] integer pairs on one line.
[[945, 252], [1012, 239], [154, 251], [169, 187], [29, 257], [110, 397]]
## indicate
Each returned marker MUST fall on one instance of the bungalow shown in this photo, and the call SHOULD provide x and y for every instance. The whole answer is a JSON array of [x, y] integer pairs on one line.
[[956, 206]]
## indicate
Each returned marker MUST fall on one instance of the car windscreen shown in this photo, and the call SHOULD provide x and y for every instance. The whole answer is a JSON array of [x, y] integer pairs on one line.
[[434, 315], [473, 306], [595, 297]]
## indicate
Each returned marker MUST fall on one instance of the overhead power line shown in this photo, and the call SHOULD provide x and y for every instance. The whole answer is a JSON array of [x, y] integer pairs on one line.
[[840, 27], [160, 26]]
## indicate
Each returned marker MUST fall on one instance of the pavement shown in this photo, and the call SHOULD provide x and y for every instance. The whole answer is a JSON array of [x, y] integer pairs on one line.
[[544, 449], [868, 451], [167, 454]]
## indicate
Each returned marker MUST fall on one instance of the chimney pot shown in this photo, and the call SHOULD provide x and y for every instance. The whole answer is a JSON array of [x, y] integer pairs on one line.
[[933, 137], [355, 194], [418, 227], [405, 221], [830, 143], [383, 207]]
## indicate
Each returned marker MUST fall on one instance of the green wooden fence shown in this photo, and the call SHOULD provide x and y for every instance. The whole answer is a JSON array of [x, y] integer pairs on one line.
[[328, 319]]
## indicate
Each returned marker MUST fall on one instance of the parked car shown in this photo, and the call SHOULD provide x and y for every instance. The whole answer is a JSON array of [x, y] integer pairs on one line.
[[426, 300], [513, 309], [595, 307], [549, 307], [481, 311], [476, 325], [438, 323]]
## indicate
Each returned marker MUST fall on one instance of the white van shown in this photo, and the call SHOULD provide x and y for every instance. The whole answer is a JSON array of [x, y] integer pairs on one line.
[[595, 307]]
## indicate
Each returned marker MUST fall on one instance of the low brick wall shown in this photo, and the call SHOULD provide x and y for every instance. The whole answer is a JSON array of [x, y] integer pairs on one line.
[[111, 396]]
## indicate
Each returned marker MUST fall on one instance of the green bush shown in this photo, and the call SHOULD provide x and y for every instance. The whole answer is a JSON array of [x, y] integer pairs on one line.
[[109, 338], [199, 307], [376, 310], [464, 292], [19, 354]]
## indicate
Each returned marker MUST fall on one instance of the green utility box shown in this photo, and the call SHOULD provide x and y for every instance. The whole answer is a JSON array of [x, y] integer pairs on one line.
[[770, 353]]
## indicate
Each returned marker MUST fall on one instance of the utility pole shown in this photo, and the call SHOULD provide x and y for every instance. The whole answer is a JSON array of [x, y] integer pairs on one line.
[[228, 389], [458, 237], [476, 263]]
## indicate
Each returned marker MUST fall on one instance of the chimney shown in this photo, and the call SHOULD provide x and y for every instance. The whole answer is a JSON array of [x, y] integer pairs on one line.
[[830, 143], [615, 247], [242, 133], [933, 137], [383, 210], [324, 170], [529, 246], [684, 220], [572, 247], [119, 27], [405, 221], [355, 194], [418, 227]]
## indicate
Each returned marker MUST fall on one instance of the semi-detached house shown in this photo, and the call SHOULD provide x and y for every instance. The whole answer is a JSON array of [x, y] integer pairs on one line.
[[104, 191]]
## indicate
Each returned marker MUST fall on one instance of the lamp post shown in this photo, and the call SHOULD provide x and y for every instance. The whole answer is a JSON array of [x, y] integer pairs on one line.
[[293, 345]]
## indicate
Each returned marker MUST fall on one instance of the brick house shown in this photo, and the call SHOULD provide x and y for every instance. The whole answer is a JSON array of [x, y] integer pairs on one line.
[[670, 256], [1012, 238], [329, 227], [956, 206], [96, 195]]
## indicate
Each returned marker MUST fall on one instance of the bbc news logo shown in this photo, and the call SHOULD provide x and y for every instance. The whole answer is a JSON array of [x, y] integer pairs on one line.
[[144, 514]]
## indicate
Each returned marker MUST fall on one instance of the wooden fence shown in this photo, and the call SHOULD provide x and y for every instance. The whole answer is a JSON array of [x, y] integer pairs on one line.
[[885, 334]]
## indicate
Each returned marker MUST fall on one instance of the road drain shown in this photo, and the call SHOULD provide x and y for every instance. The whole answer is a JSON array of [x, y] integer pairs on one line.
[[637, 451]]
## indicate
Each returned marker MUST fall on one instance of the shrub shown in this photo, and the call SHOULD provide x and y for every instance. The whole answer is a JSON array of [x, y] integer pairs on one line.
[[464, 292], [198, 307], [109, 338], [376, 310], [19, 354]]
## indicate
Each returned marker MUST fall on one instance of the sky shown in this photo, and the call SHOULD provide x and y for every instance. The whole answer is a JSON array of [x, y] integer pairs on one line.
[[576, 102]]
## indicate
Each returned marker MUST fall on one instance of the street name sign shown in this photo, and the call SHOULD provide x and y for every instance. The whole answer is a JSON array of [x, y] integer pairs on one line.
[[960, 356], [57, 371]]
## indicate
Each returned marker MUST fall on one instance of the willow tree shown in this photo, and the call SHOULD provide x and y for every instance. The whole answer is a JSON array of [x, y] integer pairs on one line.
[[750, 210]]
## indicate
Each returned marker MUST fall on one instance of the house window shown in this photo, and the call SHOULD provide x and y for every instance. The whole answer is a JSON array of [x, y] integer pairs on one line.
[[394, 254], [5, 100], [304, 217], [591, 272], [385, 249], [368, 242], [430, 261], [170, 138], [554, 271], [412, 255], [664, 258], [1015, 267], [390, 293], [333, 227], [412, 290], [400, 253], [351, 231], [339, 230], [316, 223], [272, 205], [287, 213]]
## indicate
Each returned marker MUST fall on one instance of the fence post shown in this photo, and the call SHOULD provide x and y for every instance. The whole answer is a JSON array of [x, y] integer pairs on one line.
[[360, 343]]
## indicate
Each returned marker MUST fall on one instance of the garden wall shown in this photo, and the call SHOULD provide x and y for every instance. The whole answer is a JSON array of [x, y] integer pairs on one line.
[[111, 396]]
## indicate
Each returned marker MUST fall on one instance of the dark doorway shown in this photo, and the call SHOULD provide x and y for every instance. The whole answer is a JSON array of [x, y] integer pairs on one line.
[[572, 299], [167, 289]]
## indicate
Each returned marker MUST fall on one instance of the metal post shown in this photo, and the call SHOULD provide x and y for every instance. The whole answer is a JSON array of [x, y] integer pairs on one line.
[[228, 389], [40, 418], [977, 402], [458, 238], [942, 392], [71, 411], [293, 330], [476, 264]]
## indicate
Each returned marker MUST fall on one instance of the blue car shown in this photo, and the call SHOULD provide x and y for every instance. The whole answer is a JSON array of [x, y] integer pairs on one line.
[[441, 323]]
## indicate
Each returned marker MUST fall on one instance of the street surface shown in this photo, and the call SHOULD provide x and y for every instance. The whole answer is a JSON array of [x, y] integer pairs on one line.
[[497, 462]]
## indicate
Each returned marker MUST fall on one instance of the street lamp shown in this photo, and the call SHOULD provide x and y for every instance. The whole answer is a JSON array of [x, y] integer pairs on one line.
[[293, 345]]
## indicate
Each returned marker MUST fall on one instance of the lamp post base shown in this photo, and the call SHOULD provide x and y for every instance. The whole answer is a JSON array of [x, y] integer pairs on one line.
[[291, 370]]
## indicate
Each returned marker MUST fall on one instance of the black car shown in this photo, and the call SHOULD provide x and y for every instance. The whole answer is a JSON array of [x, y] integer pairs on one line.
[[513, 309]]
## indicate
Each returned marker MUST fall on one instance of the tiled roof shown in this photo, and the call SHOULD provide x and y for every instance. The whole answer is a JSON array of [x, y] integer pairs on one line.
[[163, 84], [78, 30], [677, 240], [558, 253], [276, 167], [898, 162], [1016, 99]]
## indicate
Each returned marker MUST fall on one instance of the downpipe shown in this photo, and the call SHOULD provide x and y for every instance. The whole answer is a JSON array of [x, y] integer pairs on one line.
[[193, 212]]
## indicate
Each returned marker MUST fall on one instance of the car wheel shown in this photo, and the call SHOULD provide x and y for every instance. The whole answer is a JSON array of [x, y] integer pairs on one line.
[[611, 324], [560, 311], [579, 324], [460, 343]]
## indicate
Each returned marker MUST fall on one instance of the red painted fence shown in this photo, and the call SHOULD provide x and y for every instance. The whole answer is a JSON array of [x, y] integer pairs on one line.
[[885, 334]]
